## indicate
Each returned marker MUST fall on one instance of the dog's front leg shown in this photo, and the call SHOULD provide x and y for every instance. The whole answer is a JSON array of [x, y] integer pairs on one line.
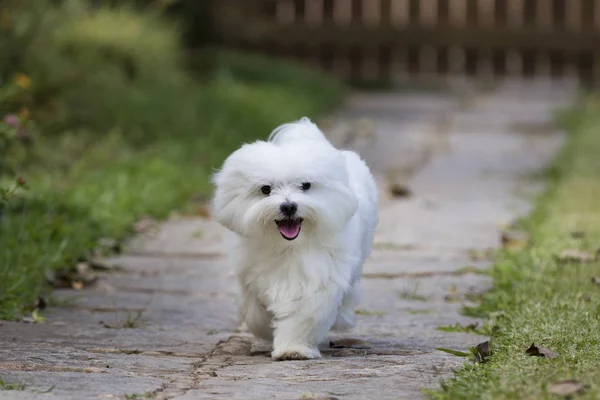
[[300, 325]]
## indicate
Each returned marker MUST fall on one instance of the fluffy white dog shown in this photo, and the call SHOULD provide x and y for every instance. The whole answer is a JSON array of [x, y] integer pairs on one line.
[[303, 215]]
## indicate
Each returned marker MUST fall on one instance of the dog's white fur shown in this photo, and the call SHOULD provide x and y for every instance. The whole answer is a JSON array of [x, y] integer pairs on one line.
[[294, 292]]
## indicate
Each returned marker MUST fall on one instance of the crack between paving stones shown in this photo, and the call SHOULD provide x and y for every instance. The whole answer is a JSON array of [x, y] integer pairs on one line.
[[423, 274], [155, 353], [223, 355], [175, 255]]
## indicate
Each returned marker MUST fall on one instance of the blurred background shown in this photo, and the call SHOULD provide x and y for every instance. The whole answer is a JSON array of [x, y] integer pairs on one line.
[[396, 40], [113, 113]]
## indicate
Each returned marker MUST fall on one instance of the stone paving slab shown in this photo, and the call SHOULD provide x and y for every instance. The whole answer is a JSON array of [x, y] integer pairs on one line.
[[164, 324]]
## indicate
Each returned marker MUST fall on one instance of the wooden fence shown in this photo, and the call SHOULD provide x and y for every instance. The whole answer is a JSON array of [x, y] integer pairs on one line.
[[396, 40]]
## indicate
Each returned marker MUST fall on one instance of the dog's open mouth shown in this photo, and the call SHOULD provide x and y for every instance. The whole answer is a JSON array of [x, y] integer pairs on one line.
[[289, 227]]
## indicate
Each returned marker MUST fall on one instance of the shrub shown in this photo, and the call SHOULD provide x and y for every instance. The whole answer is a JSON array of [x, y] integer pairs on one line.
[[15, 129], [99, 86], [101, 68]]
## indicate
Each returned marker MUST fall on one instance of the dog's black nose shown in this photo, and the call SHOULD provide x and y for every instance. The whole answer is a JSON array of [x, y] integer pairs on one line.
[[288, 208]]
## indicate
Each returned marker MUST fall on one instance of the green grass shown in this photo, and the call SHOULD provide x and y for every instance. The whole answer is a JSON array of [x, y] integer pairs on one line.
[[85, 186], [412, 294], [11, 386], [539, 299]]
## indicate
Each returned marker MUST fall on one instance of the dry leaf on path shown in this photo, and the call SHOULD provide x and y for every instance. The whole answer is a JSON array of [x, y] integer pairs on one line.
[[483, 351], [514, 240], [202, 211], [399, 190], [567, 387], [40, 303], [539, 351]]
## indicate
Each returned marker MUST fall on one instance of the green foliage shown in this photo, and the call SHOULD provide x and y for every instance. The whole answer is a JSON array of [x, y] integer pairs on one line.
[[101, 67], [258, 69], [15, 130], [124, 130]]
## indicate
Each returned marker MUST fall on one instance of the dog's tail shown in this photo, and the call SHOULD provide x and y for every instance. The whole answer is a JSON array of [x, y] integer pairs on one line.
[[298, 130]]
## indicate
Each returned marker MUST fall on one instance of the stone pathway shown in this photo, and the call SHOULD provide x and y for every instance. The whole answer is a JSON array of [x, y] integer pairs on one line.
[[165, 324]]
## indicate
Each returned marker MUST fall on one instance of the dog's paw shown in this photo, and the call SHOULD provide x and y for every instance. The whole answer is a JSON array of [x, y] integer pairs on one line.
[[295, 353]]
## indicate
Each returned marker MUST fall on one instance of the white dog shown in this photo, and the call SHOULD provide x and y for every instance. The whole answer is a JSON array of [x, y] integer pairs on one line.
[[303, 214]]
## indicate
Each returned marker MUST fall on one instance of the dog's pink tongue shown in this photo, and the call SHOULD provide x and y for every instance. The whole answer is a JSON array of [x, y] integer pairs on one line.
[[289, 229]]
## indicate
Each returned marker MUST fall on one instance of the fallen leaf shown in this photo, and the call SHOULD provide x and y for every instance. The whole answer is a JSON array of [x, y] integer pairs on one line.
[[454, 352], [514, 240], [203, 212], [39, 303], [539, 351], [482, 352], [399, 190], [574, 255], [72, 278], [105, 325], [349, 344], [143, 225], [567, 387], [37, 318]]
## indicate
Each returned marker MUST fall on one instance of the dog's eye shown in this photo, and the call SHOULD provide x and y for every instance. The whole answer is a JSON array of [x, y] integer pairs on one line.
[[266, 190], [306, 186]]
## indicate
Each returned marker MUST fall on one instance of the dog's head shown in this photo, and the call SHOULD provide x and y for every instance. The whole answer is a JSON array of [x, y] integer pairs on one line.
[[284, 191]]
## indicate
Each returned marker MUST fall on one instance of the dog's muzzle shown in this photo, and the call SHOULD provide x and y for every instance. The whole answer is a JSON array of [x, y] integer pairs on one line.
[[290, 225]]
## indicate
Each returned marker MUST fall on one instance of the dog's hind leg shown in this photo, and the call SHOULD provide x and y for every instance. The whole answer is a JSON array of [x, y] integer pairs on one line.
[[258, 318], [346, 318]]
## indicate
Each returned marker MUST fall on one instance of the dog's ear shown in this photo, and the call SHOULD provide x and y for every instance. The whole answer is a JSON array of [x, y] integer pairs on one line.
[[347, 202], [225, 207]]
